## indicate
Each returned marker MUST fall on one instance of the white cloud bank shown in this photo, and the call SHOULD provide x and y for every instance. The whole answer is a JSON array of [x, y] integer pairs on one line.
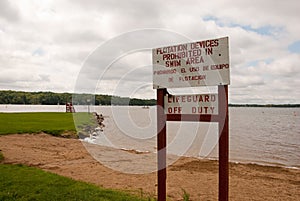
[[44, 44]]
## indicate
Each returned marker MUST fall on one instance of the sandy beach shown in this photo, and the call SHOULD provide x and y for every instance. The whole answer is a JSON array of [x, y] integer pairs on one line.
[[199, 178]]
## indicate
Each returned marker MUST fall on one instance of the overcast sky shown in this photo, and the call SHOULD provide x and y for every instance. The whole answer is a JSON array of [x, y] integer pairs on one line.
[[47, 45]]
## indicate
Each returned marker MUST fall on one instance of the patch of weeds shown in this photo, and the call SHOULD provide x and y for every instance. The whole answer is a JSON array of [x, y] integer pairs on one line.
[[185, 196]]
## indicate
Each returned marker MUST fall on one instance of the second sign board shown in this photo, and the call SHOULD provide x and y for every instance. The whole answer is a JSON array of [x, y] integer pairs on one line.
[[191, 104]]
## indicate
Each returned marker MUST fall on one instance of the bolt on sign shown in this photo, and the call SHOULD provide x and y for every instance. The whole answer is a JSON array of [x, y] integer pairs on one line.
[[191, 104], [201, 63]]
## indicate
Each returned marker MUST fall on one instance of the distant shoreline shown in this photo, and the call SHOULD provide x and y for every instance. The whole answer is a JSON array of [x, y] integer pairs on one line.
[[229, 105], [51, 98], [266, 105]]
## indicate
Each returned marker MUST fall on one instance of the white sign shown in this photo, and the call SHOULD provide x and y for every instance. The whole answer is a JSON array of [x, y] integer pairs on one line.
[[191, 104], [202, 63]]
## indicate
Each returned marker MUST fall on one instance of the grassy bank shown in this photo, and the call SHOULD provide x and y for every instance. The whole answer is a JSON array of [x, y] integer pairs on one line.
[[54, 123], [20, 182]]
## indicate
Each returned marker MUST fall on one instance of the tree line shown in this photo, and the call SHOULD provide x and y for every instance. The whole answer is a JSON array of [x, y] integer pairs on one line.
[[265, 105], [51, 98]]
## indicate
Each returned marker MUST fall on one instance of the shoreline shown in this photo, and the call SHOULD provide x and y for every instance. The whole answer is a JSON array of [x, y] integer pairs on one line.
[[263, 144], [198, 177], [245, 162]]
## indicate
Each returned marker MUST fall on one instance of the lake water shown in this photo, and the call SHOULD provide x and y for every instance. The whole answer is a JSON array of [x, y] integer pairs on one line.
[[268, 136]]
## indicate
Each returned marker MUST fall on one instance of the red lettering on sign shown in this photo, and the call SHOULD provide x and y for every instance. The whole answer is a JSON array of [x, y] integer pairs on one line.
[[169, 71], [219, 66], [192, 98], [212, 109], [194, 60], [212, 98], [174, 110], [203, 110], [194, 69], [206, 98], [205, 44], [196, 77], [173, 63]]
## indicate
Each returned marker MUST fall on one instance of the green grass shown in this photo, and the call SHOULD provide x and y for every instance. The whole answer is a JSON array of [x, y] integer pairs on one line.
[[54, 123], [48, 122], [18, 182], [83, 120], [185, 196]]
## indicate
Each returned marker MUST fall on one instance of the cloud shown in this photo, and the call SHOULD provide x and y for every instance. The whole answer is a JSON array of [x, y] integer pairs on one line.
[[49, 45], [8, 11], [294, 47], [263, 30]]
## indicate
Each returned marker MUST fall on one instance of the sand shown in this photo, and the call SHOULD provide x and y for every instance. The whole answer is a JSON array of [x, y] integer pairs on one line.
[[199, 178]]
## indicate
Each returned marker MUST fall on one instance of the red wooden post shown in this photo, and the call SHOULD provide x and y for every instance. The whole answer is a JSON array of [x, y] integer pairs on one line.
[[223, 143], [161, 146], [216, 77]]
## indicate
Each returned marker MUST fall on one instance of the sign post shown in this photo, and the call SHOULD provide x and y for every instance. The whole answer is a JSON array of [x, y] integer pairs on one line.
[[161, 145], [223, 143], [202, 63]]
